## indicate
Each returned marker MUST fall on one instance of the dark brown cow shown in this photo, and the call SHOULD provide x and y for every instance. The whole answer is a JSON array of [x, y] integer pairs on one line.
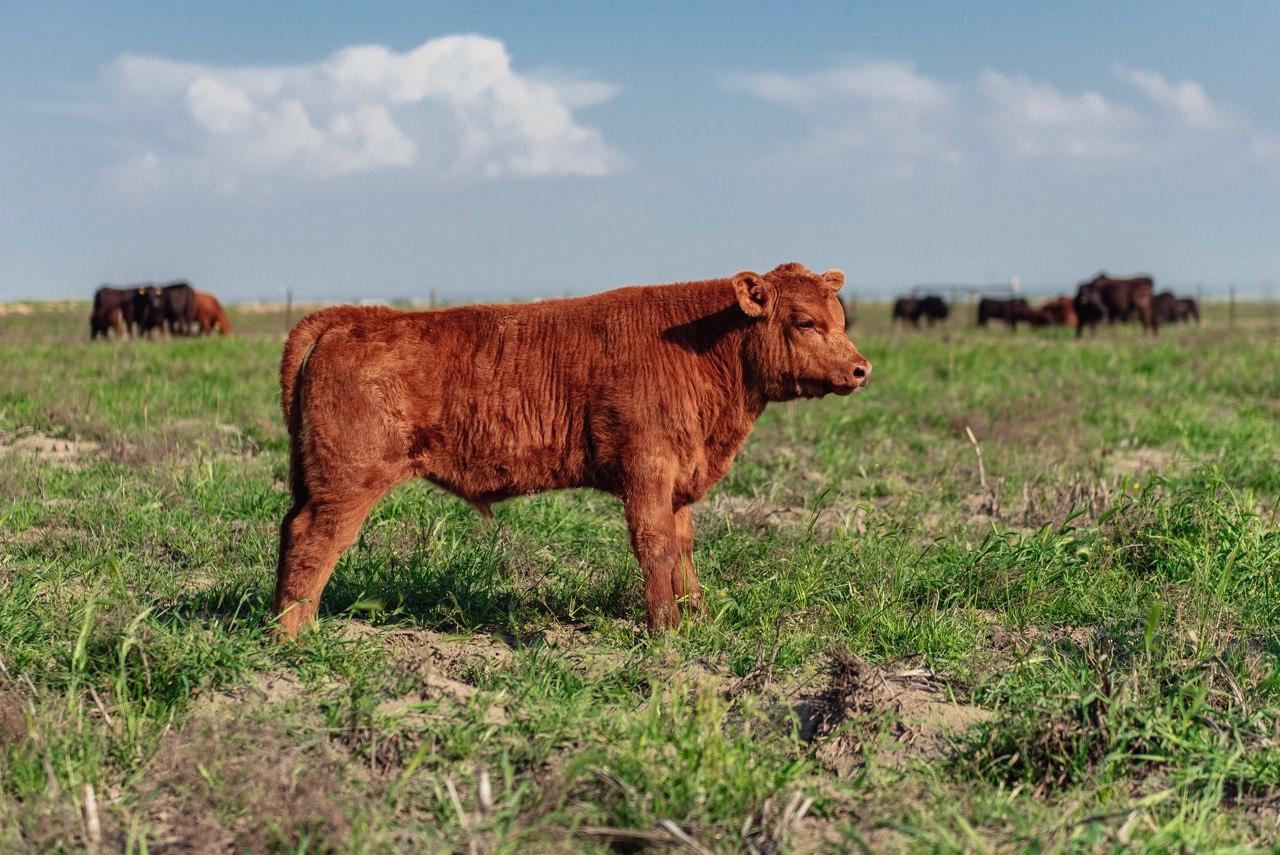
[[907, 310], [209, 315], [1123, 298], [1171, 309], [646, 393], [1186, 309], [1060, 312], [106, 320], [106, 300], [178, 299], [1163, 305]]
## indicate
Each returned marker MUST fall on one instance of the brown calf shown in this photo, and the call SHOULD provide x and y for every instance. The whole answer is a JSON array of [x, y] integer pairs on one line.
[[646, 393]]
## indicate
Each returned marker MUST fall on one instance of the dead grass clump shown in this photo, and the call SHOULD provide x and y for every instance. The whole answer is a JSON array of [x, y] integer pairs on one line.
[[13, 721], [897, 716], [59, 451], [1039, 504], [221, 787]]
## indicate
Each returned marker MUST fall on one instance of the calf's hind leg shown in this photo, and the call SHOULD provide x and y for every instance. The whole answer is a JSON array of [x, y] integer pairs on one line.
[[684, 580], [313, 537]]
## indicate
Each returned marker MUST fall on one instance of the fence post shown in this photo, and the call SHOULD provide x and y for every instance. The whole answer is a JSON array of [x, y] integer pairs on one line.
[[288, 309], [1233, 306]]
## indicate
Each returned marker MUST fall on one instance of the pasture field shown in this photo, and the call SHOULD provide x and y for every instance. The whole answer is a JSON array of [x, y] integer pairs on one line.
[[1072, 646]]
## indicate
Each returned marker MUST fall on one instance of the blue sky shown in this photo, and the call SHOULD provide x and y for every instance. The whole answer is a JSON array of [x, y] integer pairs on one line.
[[509, 149]]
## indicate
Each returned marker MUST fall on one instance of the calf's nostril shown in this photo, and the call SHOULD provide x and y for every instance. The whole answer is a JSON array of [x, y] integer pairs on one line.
[[860, 372]]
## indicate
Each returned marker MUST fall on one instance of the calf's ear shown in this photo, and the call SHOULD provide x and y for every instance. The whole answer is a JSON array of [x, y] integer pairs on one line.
[[753, 293], [833, 279]]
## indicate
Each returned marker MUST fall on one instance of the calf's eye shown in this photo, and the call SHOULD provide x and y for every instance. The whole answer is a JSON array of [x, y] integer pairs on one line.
[[805, 325]]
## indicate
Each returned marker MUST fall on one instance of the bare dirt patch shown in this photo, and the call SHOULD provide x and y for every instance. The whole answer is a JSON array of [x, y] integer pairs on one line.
[[279, 687], [1128, 463], [450, 654], [757, 514], [894, 717]]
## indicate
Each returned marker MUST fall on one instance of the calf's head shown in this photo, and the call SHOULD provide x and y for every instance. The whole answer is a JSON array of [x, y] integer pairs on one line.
[[796, 345]]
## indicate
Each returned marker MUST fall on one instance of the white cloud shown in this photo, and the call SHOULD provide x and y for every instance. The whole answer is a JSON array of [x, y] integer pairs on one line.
[[1185, 100], [1031, 119], [892, 119], [453, 106], [883, 111], [895, 83]]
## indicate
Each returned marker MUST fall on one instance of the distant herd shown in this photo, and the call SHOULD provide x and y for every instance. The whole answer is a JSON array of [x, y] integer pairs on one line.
[[149, 309], [176, 308], [1101, 298]]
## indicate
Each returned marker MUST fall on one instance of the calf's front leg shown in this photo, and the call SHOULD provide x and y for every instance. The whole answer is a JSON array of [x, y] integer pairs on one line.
[[647, 499]]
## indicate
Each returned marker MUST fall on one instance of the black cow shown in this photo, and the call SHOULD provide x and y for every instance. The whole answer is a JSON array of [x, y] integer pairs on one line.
[[148, 309], [1090, 308], [931, 307], [934, 309]]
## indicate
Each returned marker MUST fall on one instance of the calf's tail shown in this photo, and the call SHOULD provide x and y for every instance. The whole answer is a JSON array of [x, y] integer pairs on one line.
[[297, 348]]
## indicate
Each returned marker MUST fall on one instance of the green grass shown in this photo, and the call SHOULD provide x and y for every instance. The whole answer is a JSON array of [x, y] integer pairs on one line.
[[1108, 601]]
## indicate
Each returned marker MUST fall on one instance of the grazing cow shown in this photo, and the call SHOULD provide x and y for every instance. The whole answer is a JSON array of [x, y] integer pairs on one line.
[[1010, 311], [1186, 309], [1060, 312], [646, 393], [910, 310], [148, 309], [1122, 298], [1170, 309], [106, 299], [209, 315], [179, 300]]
